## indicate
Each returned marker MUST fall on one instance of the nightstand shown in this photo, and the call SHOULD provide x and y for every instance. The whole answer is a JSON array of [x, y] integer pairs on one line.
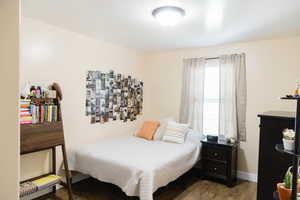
[[219, 161]]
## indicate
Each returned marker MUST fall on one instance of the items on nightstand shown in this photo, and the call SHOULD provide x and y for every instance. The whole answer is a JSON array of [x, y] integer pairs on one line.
[[212, 138], [231, 141], [219, 161]]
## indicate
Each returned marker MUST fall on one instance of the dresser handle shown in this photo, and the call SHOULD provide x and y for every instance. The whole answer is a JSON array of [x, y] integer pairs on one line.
[[215, 169], [215, 154]]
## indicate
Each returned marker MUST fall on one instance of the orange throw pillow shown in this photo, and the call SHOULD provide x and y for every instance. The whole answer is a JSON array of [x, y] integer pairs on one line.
[[148, 130]]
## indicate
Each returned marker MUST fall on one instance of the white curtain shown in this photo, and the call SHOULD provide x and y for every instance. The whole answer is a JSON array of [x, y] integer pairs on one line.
[[191, 108], [233, 96]]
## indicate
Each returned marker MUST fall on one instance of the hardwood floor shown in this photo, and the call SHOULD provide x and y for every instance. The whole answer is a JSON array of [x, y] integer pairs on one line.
[[188, 187]]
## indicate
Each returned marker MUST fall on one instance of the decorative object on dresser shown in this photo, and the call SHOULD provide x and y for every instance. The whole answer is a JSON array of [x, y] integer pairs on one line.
[[285, 189], [272, 124], [42, 135], [288, 139], [219, 161]]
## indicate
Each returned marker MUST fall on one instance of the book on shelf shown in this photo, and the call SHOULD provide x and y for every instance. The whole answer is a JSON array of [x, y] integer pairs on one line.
[[42, 113], [47, 181], [30, 187], [49, 119], [37, 113], [45, 113], [24, 112], [27, 188]]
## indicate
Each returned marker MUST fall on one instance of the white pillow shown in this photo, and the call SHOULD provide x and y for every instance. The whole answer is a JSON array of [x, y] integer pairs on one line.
[[175, 132], [161, 129]]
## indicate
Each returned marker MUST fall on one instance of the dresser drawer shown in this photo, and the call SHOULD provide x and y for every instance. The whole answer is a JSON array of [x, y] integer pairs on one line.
[[214, 153], [215, 169]]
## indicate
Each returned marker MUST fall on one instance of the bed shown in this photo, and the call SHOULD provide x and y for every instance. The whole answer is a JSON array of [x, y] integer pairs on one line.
[[138, 166]]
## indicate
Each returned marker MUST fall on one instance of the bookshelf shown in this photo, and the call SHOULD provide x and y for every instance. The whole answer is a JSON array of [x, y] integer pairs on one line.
[[47, 135]]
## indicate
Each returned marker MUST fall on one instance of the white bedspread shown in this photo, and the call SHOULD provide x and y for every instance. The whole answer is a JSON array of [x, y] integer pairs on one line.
[[139, 167]]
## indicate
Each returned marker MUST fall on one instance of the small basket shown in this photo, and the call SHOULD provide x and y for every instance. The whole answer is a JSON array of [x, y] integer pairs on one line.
[[289, 144]]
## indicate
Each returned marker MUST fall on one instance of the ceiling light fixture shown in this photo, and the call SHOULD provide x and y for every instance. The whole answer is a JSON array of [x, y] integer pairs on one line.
[[168, 15]]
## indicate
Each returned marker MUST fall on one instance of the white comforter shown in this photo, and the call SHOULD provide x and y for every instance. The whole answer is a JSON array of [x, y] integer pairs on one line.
[[139, 167]]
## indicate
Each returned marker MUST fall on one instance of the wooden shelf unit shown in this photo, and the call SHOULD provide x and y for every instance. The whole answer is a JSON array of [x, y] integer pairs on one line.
[[44, 136]]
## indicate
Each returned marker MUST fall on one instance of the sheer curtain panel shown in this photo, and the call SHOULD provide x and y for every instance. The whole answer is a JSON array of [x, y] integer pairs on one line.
[[191, 108], [233, 97]]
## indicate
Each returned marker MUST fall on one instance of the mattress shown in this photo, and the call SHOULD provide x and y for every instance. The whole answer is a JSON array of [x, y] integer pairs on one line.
[[138, 166]]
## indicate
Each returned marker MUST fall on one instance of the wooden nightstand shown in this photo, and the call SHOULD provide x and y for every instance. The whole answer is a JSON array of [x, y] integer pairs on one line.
[[219, 161]]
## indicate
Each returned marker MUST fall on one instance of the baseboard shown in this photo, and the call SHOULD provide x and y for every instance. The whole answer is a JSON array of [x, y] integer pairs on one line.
[[247, 176]]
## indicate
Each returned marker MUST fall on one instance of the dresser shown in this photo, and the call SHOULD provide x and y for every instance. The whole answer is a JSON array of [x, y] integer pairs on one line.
[[271, 164], [219, 161]]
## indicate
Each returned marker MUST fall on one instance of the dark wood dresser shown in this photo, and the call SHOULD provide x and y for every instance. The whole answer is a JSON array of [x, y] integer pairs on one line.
[[219, 161], [271, 164]]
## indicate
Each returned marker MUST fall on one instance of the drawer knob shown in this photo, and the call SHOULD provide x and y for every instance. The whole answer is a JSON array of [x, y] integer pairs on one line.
[[215, 169], [215, 154]]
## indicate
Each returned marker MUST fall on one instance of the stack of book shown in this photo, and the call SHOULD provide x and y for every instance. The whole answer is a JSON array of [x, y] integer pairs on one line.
[[44, 113], [30, 187], [27, 188], [47, 181], [37, 113], [25, 114]]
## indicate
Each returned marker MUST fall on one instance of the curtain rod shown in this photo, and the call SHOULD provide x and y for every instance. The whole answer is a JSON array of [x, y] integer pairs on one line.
[[212, 58], [209, 58], [218, 57]]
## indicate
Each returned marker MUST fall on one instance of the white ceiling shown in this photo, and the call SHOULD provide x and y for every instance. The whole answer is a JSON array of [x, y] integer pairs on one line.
[[208, 22]]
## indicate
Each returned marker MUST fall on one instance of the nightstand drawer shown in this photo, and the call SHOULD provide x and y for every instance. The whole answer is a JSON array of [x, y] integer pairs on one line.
[[215, 169], [214, 154]]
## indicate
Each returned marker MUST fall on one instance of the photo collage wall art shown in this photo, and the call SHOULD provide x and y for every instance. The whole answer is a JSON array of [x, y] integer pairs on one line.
[[111, 96]]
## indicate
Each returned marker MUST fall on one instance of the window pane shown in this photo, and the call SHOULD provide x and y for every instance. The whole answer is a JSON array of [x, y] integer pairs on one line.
[[211, 118], [211, 98], [211, 82]]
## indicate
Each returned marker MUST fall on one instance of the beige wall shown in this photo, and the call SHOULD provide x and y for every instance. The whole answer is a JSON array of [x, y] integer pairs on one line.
[[9, 71], [52, 54], [273, 69]]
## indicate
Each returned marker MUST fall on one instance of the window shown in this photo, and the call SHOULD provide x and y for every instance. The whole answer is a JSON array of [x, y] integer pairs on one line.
[[211, 98]]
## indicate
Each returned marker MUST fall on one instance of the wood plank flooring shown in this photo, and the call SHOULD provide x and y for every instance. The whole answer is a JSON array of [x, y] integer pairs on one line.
[[188, 187]]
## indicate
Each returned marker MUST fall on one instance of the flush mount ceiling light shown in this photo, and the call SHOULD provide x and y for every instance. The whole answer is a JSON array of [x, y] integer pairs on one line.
[[168, 15]]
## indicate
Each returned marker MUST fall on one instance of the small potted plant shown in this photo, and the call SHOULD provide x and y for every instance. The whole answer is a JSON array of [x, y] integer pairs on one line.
[[285, 189], [288, 139]]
